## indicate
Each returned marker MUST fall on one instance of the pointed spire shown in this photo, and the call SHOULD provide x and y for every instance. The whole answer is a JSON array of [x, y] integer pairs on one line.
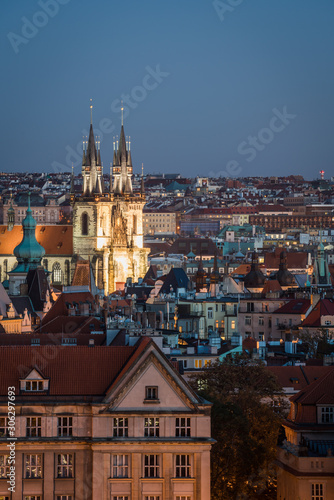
[[121, 154], [91, 148], [98, 151], [91, 111], [83, 151], [142, 185]]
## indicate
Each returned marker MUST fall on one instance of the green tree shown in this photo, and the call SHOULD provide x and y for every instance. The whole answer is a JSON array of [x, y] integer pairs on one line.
[[245, 425], [318, 343]]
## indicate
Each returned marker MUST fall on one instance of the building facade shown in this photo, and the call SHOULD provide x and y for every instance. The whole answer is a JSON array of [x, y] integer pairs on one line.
[[130, 428]]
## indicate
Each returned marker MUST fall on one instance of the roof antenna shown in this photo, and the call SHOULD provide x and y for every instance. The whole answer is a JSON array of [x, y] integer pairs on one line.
[[122, 109], [91, 111]]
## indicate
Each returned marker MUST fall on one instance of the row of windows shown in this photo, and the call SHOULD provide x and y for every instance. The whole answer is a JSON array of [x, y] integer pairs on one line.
[[39, 497], [121, 466], [33, 466], [114, 497], [120, 426]]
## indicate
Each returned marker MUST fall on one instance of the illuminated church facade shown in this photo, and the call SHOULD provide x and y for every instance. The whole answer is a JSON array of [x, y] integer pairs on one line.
[[108, 225]]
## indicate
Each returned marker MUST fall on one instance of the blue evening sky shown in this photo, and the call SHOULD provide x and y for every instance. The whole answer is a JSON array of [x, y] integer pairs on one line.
[[211, 87]]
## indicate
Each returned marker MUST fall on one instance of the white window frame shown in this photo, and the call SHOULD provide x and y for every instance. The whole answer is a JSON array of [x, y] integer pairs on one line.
[[151, 463], [151, 497], [33, 427], [317, 491], [120, 497], [183, 465], [182, 427], [198, 363], [32, 497], [4, 497], [183, 497], [151, 427], [327, 415], [4, 466], [120, 427], [64, 497], [120, 465], [64, 465], [34, 386], [30, 466], [64, 426]]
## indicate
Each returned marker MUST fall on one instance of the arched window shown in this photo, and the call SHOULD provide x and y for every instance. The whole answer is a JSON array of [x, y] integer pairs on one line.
[[84, 224], [56, 273]]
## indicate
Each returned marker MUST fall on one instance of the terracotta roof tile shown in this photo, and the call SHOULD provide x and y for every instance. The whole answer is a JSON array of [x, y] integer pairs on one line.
[[56, 239], [73, 371]]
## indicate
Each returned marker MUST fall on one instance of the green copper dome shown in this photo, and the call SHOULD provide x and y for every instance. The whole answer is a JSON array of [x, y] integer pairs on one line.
[[29, 252]]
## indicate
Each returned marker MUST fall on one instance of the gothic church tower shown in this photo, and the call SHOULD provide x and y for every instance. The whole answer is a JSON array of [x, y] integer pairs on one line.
[[108, 226]]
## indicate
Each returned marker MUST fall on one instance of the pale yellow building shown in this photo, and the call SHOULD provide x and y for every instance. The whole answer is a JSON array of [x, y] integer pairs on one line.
[[160, 221]]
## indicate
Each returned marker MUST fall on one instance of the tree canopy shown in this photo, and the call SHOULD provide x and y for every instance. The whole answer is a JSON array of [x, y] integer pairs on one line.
[[246, 419]]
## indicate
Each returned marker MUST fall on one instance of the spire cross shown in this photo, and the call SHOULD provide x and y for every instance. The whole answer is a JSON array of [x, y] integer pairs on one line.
[[114, 142], [122, 109], [129, 143], [142, 169], [91, 111]]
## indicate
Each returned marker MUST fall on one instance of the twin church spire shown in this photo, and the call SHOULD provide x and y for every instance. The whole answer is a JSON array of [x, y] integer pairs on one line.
[[121, 172]]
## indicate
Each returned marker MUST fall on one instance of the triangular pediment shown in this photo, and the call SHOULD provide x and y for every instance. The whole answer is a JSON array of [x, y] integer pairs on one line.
[[133, 392]]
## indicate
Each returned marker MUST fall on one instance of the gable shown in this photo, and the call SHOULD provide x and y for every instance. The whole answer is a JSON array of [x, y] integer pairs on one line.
[[131, 394]]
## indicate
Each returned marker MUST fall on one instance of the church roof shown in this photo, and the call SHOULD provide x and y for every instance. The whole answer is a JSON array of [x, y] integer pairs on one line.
[[55, 239]]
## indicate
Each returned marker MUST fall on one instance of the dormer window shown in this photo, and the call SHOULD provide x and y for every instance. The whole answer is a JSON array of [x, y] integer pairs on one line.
[[34, 385], [34, 382], [327, 415]]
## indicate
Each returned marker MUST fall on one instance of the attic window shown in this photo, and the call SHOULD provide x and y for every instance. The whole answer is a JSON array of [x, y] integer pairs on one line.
[[34, 382], [295, 380], [327, 415], [42, 229], [151, 394], [34, 385], [59, 245], [64, 230]]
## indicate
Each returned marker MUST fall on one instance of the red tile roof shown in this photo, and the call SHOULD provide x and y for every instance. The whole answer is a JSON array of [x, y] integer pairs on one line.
[[56, 239], [82, 274], [295, 306], [73, 371], [325, 307], [319, 392], [295, 260], [298, 377]]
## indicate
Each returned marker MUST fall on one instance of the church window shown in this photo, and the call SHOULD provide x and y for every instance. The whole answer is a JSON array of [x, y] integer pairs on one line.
[[84, 224], [56, 273]]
